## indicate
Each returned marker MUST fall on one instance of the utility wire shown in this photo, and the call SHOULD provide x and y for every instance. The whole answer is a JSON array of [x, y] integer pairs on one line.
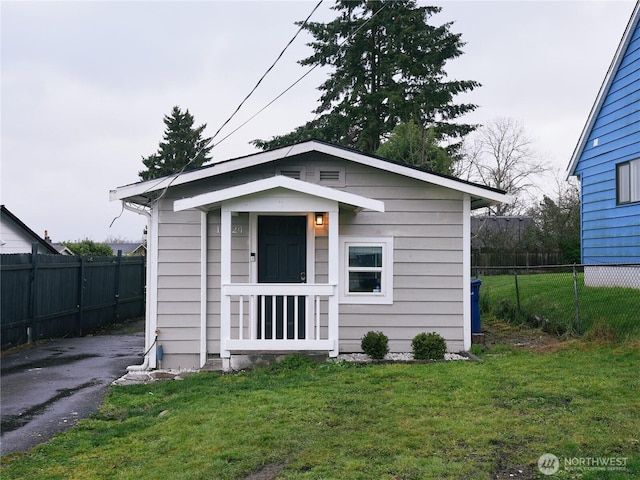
[[298, 80], [176, 175], [269, 69], [267, 105]]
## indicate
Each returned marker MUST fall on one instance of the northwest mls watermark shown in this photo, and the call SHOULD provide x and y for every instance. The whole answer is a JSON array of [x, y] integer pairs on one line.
[[549, 464]]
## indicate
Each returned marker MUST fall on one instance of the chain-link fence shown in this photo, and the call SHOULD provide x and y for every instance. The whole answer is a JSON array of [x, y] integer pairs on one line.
[[600, 301]]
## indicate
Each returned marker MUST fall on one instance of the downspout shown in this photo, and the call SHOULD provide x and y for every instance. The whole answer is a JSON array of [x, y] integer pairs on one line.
[[150, 244], [466, 272], [203, 288]]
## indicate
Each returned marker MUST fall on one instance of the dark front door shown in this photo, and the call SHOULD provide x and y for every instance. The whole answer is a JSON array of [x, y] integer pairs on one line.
[[282, 258]]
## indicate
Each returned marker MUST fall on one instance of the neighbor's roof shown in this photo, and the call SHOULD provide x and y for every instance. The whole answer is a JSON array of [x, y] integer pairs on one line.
[[604, 89], [481, 195], [27, 231], [126, 248]]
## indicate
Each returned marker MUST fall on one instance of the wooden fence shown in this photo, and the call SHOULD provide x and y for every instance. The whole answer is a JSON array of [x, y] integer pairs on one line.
[[53, 296], [509, 259]]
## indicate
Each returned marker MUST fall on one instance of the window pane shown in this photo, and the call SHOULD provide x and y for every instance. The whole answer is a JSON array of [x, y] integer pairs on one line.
[[623, 183], [365, 281], [365, 256], [634, 184]]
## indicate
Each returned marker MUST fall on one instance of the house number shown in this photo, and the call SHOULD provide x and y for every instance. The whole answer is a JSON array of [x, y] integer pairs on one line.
[[236, 230]]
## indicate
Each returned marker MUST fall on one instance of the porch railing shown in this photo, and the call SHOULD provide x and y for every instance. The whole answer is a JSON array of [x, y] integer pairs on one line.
[[278, 317]]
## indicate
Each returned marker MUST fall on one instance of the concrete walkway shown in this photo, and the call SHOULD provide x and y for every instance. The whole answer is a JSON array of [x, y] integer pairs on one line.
[[148, 376]]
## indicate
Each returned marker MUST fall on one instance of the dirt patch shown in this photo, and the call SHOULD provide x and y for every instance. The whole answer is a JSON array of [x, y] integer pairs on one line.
[[268, 472], [520, 472], [521, 336]]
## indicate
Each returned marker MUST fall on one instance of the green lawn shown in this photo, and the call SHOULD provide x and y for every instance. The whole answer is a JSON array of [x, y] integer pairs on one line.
[[551, 297], [445, 420]]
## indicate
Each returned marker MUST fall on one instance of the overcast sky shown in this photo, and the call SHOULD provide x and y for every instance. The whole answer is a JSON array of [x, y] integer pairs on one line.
[[85, 86]]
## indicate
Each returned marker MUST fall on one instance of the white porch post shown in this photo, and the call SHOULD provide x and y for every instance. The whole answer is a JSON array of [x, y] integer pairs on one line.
[[334, 279], [203, 288], [466, 272], [225, 279]]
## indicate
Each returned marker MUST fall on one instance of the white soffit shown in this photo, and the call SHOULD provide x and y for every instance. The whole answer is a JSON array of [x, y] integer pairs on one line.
[[212, 199]]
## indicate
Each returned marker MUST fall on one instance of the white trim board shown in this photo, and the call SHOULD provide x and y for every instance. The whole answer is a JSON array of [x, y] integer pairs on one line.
[[211, 200], [604, 90]]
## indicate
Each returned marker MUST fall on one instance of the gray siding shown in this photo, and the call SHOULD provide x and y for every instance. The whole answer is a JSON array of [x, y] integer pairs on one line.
[[178, 307], [424, 220], [426, 224]]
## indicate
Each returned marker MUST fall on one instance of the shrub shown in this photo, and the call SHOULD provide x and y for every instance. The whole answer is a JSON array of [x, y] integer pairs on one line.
[[428, 346], [375, 344]]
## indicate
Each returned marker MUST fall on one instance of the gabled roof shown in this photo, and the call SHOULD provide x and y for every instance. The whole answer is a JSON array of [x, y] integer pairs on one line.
[[143, 192], [127, 248], [211, 199], [62, 250], [604, 89], [35, 238]]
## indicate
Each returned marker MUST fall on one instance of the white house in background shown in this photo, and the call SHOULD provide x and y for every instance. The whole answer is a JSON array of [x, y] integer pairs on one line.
[[607, 162], [304, 248], [16, 237]]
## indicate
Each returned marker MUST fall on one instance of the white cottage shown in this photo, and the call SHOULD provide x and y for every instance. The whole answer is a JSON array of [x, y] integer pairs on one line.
[[304, 248]]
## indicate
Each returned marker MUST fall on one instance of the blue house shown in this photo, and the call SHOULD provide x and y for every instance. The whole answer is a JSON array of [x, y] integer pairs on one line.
[[607, 163]]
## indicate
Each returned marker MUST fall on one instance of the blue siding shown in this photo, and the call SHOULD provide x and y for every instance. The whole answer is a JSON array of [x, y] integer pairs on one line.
[[610, 232]]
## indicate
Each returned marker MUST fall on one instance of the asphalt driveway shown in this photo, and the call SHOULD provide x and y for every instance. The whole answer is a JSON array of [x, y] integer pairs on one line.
[[49, 387]]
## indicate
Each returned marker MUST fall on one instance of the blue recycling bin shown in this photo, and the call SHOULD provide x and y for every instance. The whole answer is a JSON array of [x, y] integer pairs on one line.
[[475, 305]]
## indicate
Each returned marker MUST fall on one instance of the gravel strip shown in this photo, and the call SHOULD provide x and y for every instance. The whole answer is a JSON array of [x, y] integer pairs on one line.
[[393, 357]]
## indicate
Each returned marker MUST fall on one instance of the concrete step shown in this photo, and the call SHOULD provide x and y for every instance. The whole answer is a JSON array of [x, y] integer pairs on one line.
[[212, 365]]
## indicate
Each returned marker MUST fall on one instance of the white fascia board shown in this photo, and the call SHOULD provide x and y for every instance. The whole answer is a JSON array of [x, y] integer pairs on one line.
[[473, 190], [604, 90], [279, 181], [210, 171]]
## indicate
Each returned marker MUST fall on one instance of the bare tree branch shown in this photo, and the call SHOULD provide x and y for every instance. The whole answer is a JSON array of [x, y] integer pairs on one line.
[[501, 155]]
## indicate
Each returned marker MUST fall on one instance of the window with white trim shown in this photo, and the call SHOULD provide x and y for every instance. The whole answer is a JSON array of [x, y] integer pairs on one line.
[[628, 182], [366, 270]]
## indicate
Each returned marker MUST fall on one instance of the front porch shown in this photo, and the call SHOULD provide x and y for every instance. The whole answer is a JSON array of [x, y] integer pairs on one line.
[[280, 317], [296, 310]]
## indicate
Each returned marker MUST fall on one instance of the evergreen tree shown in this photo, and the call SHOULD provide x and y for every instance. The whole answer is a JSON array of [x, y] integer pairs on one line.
[[183, 147], [411, 144], [557, 223], [388, 67]]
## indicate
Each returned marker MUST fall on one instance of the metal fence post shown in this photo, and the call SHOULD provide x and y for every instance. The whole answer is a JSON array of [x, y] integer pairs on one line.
[[117, 284], [578, 327], [32, 330], [515, 275], [81, 282]]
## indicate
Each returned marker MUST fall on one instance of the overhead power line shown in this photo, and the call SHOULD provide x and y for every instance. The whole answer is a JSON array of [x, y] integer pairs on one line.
[[384, 4], [268, 70], [181, 171]]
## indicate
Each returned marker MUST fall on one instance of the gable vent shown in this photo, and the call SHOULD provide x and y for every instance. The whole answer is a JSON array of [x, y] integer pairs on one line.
[[329, 175], [291, 173]]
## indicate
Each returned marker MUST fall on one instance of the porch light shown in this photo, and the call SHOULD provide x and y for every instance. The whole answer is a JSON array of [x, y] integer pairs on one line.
[[319, 219]]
